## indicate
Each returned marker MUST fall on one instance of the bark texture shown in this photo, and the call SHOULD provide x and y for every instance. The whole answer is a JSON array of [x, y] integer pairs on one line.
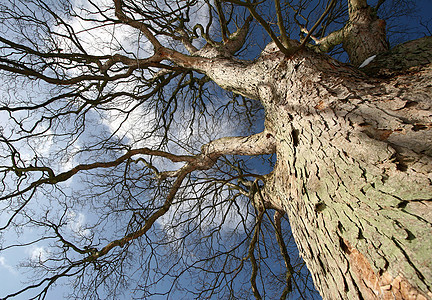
[[354, 175], [354, 168], [365, 34]]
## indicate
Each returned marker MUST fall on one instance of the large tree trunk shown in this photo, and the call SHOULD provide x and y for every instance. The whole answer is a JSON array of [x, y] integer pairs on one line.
[[354, 163], [354, 173]]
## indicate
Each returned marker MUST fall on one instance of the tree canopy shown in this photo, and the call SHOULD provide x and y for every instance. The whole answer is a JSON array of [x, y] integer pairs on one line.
[[129, 164]]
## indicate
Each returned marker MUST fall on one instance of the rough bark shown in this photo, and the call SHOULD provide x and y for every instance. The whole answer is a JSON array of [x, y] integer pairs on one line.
[[354, 168], [364, 34], [354, 175]]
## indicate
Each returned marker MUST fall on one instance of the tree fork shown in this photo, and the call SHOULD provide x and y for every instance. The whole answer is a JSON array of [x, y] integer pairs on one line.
[[365, 34]]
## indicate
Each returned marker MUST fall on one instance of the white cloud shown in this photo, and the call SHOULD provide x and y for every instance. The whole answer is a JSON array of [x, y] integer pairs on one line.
[[76, 223], [43, 144], [69, 161], [139, 121], [8, 267], [38, 254]]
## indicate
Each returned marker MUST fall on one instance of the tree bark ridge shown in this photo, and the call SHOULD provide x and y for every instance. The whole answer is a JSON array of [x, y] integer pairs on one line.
[[354, 175]]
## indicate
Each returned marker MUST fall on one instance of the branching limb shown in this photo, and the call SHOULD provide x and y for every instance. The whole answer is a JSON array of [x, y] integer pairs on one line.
[[362, 36], [186, 41], [136, 24], [328, 42], [152, 61], [288, 51], [222, 21], [257, 144], [148, 223], [280, 22], [237, 39], [53, 179], [329, 7], [251, 254], [260, 143], [48, 281]]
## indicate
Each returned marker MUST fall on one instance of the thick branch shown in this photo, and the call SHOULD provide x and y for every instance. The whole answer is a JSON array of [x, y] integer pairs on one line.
[[328, 42], [236, 40], [355, 5], [53, 179], [261, 143], [257, 144], [132, 62], [136, 24], [243, 78]]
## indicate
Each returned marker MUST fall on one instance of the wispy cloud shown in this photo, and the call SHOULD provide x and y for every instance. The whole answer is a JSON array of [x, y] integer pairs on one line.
[[8, 267], [38, 254], [76, 223]]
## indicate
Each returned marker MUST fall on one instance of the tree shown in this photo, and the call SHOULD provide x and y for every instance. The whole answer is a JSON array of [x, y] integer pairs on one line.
[[123, 87]]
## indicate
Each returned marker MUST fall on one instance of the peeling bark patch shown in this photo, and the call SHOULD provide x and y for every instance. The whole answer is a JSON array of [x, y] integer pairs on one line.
[[377, 134], [361, 268], [399, 288], [321, 105], [377, 286]]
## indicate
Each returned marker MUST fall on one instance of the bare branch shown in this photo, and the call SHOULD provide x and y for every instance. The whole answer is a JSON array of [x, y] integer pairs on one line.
[[222, 21], [318, 22], [251, 254], [281, 25], [138, 25]]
